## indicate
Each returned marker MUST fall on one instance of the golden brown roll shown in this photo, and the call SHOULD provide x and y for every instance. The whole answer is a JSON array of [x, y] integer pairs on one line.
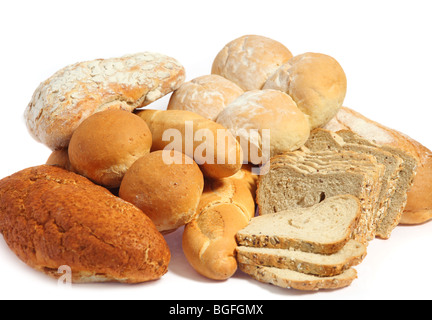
[[166, 185], [106, 144], [50, 218], [207, 95], [316, 82]]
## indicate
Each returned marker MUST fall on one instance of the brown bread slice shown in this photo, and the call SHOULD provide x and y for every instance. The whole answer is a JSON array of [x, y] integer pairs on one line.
[[322, 265], [324, 228], [286, 278]]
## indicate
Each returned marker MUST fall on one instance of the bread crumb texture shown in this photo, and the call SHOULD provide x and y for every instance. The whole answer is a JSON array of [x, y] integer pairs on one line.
[[51, 217]]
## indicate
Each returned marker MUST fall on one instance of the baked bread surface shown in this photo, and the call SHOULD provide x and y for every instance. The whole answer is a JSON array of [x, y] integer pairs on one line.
[[50, 217]]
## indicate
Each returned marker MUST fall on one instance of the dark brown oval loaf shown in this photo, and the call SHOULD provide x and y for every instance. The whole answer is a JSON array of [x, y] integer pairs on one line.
[[51, 217]]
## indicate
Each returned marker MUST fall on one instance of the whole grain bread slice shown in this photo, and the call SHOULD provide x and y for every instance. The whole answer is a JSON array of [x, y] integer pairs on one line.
[[322, 265], [323, 228], [286, 278]]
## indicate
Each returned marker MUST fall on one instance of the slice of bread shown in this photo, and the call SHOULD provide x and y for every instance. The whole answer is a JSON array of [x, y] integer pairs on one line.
[[324, 228], [321, 139], [296, 180], [286, 278], [350, 255]]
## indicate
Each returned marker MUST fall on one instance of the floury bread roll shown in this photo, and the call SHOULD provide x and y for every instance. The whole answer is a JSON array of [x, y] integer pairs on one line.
[[167, 186], [50, 217], [226, 206], [266, 122], [250, 60], [316, 82], [77, 91], [106, 144], [207, 95], [208, 143]]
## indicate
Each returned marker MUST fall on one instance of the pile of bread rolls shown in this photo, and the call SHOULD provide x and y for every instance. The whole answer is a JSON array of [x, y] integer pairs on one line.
[[111, 153]]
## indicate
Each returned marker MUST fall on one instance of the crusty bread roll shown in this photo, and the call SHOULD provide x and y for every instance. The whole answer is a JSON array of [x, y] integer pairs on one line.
[[77, 91], [419, 203], [50, 217], [226, 206], [267, 109], [60, 158], [106, 144], [316, 82], [197, 137], [165, 185], [207, 95], [250, 60]]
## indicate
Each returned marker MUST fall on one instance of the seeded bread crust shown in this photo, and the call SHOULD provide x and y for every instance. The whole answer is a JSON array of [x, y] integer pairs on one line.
[[77, 91], [50, 217]]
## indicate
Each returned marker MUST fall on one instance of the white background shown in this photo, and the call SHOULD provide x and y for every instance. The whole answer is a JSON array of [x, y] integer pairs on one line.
[[383, 47]]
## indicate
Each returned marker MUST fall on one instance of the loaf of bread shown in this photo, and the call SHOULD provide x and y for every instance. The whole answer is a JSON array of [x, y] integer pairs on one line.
[[226, 206], [208, 143], [50, 217], [60, 158], [75, 92], [302, 179], [257, 111], [316, 82], [396, 180], [106, 144], [166, 186], [419, 202], [249, 60], [207, 95]]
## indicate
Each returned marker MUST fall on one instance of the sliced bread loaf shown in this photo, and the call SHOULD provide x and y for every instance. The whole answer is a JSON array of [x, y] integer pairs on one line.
[[299, 181], [324, 228], [286, 278], [321, 139], [403, 184], [311, 263]]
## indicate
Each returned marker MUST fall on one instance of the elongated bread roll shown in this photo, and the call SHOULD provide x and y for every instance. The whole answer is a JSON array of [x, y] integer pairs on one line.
[[210, 144], [226, 206], [419, 203]]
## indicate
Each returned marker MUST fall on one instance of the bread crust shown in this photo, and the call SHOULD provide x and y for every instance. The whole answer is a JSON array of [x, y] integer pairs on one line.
[[50, 217], [75, 92], [419, 202]]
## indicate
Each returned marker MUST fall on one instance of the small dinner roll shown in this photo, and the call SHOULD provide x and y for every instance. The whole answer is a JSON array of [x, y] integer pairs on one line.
[[316, 82], [274, 110], [166, 185], [250, 60], [106, 144], [207, 95]]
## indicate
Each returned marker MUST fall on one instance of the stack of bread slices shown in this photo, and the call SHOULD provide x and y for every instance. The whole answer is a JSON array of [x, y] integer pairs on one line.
[[304, 248]]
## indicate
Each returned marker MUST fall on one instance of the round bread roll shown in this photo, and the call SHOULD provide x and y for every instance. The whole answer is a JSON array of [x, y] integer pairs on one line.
[[60, 158], [165, 185], [265, 109], [106, 144], [207, 95], [316, 82], [250, 60]]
